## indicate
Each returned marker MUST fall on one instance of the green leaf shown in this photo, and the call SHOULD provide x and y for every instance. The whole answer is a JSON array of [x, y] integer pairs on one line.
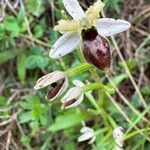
[[25, 140], [21, 16], [67, 121], [145, 90], [116, 80], [3, 101], [36, 61], [25, 117], [33, 100], [130, 63], [21, 68], [6, 55], [26, 105], [35, 7], [35, 50], [11, 25], [114, 4], [43, 120], [70, 146], [2, 31], [38, 31], [34, 125]]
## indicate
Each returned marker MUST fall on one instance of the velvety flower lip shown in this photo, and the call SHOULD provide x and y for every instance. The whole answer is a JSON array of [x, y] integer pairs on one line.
[[57, 82], [87, 133], [72, 98], [71, 38], [97, 49]]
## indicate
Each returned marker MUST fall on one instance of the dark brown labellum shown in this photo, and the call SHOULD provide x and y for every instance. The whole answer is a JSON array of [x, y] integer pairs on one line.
[[96, 49], [70, 102], [54, 89]]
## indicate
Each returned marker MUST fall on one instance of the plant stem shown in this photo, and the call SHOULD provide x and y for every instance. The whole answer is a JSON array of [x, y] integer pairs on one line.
[[96, 86], [91, 98], [79, 69]]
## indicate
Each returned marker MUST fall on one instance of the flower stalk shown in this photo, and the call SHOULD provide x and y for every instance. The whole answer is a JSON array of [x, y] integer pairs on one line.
[[79, 69], [96, 86]]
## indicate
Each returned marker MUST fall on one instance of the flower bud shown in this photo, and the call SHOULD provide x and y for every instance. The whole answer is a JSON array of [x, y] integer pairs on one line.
[[72, 98], [118, 135], [87, 134], [96, 49], [57, 82]]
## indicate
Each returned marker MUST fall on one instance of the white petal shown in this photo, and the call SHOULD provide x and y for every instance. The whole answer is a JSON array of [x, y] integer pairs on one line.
[[49, 79], [78, 102], [86, 129], [73, 93], [85, 136], [64, 45], [78, 83], [109, 26], [92, 140], [118, 135], [74, 9]]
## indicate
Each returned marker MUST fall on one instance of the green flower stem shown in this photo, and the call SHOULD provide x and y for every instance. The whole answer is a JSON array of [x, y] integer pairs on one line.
[[130, 135], [96, 86], [79, 69], [101, 131], [97, 107], [92, 100]]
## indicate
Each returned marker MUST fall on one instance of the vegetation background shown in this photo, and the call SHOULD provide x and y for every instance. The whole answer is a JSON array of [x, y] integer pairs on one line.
[[28, 121]]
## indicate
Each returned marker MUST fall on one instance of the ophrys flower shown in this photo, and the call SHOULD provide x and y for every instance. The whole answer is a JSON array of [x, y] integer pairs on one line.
[[87, 134], [57, 82], [118, 134], [72, 98], [96, 48]]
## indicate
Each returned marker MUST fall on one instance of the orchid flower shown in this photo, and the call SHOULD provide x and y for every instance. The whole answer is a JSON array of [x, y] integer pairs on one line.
[[87, 133], [118, 134], [57, 82], [72, 29], [72, 98]]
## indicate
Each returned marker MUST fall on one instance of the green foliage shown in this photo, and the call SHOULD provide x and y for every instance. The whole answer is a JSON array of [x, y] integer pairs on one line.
[[116, 80], [11, 25], [67, 120], [7, 55], [3, 101], [21, 68], [25, 42], [38, 30], [25, 140], [36, 61], [114, 4], [35, 112], [36, 7]]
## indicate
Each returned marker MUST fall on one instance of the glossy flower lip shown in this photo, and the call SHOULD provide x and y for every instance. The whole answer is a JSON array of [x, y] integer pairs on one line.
[[72, 98], [96, 49], [87, 133], [57, 81], [83, 20]]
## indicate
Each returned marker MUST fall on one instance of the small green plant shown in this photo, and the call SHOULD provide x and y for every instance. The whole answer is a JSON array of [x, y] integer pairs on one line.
[[66, 82]]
